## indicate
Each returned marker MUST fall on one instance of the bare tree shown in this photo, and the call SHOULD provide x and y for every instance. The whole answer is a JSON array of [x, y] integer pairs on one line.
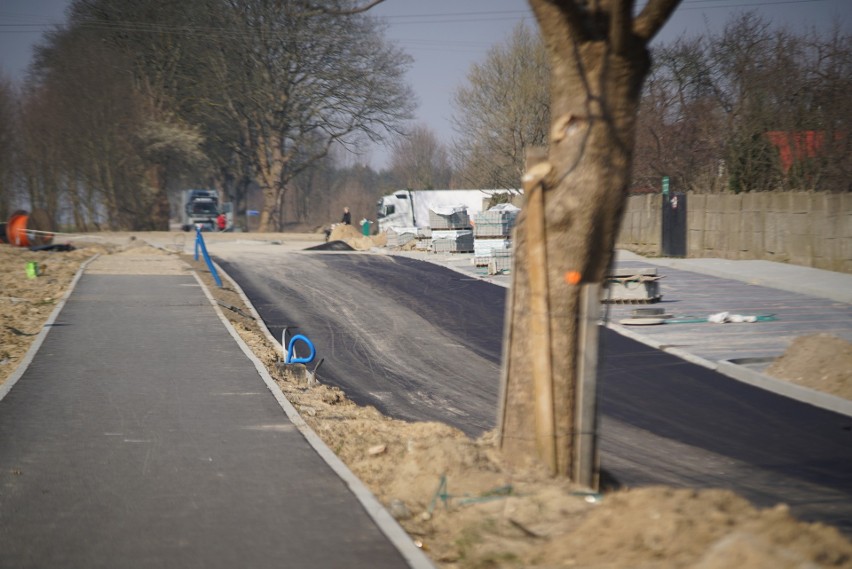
[[784, 89], [502, 110], [575, 195], [753, 108], [293, 75], [40, 153], [418, 160], [680, 132], [155, 42], [7, 135], [83, 102]]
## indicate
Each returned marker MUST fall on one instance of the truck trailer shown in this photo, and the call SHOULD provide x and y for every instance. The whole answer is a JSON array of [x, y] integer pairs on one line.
[[410, 208]]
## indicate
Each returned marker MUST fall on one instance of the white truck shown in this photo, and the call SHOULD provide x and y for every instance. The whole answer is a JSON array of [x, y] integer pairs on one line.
[[199, 207], [410, 208]]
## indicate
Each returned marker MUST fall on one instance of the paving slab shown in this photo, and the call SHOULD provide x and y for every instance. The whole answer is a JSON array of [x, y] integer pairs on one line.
[[142, 436], [692, 295]]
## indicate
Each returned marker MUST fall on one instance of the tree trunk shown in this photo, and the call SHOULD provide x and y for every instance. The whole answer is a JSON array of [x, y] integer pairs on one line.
[[583, 183], [271, 162], [159, 218]]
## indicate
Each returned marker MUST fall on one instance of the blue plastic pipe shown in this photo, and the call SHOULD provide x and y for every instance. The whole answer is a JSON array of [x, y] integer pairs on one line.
[[199, 243], [291, 347]]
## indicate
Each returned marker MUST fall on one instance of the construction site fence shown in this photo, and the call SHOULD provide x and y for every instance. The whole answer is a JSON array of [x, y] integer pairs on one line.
[[803, 228]]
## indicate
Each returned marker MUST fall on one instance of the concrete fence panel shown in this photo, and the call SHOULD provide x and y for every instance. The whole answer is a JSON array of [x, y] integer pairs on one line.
[[804, 228]]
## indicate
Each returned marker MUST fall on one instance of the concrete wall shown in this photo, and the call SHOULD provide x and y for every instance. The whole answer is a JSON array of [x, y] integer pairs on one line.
[[802, 228]]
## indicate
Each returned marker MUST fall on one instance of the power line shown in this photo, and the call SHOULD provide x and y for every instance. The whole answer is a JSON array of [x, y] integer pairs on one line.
[[393, 20]]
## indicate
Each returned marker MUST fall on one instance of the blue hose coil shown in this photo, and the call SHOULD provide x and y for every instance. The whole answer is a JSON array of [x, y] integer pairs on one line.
[[291, 346]]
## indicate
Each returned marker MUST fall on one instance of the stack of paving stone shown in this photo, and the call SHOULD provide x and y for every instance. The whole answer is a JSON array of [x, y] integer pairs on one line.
[[449, 217], [500, 262], [452, 241], [492, 231], [495, 222], [484, 249], [400, 236]]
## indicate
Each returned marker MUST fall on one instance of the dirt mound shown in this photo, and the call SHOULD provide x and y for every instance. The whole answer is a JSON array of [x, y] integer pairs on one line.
[[820, 361], [660, 527], [355, 239], [331, 246], [457, 498]]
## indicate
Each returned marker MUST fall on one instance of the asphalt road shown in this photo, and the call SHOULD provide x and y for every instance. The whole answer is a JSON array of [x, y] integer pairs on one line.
[[414, 340], [421, 342]]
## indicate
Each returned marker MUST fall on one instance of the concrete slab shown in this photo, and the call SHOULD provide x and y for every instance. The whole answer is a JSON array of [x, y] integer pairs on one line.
[[818, 283]]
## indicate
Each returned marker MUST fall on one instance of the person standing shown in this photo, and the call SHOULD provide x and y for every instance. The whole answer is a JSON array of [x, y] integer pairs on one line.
[[347, 217], [221, 222]]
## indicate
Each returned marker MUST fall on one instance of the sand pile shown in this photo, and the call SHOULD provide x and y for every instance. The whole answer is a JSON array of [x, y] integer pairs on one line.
[[355, 239], [820, 361]]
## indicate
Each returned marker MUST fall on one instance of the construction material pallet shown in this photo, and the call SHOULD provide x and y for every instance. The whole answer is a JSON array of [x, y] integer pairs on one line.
[[496, 222], [500, 262], [458, 219], [455, 241], [632, 286]]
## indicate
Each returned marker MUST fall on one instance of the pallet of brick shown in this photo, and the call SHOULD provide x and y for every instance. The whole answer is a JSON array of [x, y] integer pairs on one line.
[[495, 222], [449, 217], [452, 241], [401, 236], [500, 262], [482, 249]]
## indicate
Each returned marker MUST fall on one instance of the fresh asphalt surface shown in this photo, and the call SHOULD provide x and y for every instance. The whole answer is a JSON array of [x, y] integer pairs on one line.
[[422, 342], [141, 436], [413, 340]]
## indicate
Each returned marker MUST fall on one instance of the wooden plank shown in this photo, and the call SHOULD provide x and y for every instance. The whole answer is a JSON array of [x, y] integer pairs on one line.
[[542, 363]]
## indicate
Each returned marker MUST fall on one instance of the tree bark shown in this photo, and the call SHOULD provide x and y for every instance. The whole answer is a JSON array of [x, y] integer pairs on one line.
[[595, 90]]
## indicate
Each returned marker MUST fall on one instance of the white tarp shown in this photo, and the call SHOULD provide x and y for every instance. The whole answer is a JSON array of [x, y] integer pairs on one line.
[[449, 209], [506, 207], [424, 200]]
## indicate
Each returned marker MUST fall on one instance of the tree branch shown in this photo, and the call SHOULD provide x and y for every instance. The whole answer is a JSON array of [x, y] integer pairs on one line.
[[655, 14], [619, 25], [567, 10], [349, 12]]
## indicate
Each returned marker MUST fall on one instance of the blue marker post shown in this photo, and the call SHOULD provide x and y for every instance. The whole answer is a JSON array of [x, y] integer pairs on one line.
[[199, 244]]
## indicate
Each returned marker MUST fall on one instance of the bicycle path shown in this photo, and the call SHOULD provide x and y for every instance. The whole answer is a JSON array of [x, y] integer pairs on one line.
[[141, 435]]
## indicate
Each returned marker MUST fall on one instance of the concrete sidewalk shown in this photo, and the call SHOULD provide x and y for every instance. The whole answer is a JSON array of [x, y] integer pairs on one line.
[[141, 435], [801, 300], [817, 283]]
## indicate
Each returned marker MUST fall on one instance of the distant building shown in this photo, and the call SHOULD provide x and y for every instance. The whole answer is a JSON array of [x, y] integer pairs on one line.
[[795, 147]]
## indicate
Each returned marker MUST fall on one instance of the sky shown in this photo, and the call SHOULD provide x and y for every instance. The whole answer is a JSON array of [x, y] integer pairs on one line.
[[445, 37]]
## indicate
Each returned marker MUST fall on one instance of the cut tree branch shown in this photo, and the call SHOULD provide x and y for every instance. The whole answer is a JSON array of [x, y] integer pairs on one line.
[[655, 14], [349, 12], [619, 25], [567, 10]]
